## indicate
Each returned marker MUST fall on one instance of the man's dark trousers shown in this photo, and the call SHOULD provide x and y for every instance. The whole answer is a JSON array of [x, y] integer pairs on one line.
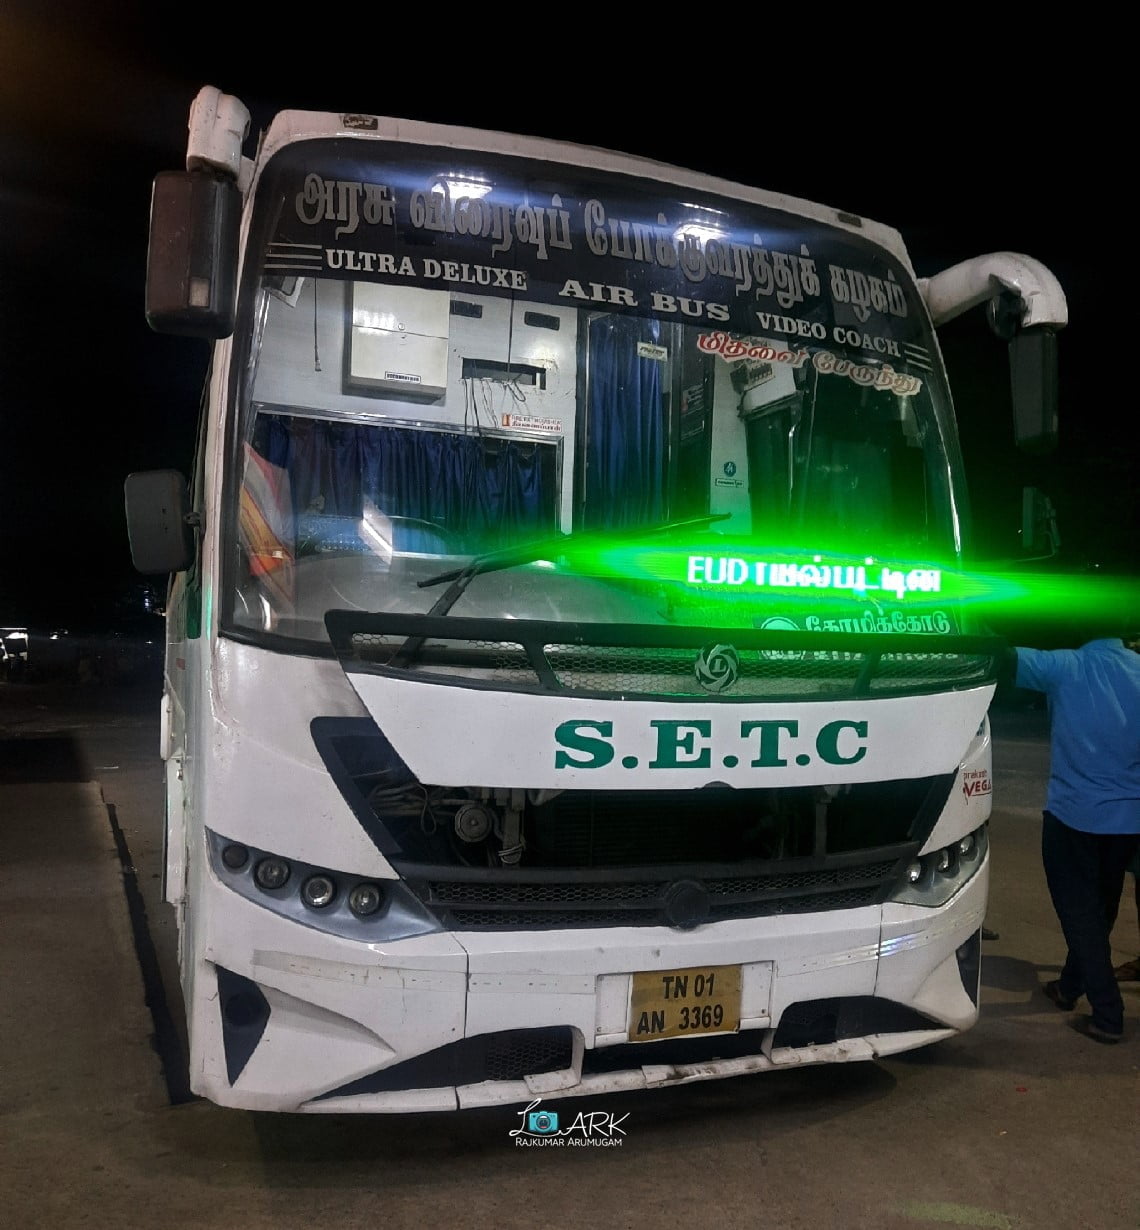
[[1085, 873]]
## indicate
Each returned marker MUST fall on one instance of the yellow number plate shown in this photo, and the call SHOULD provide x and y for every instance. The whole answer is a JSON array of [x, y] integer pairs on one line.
[[683, 1003]]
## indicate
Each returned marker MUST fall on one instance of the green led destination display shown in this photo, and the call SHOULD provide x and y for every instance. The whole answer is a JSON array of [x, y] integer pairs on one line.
[[818, 574], [781, 572]]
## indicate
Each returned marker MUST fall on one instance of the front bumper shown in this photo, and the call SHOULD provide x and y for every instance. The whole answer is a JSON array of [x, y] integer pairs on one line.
[[284, 1017]]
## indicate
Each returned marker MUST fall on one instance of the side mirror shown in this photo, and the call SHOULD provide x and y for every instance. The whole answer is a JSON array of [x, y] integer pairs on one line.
[[160, 523], [1033, 385], [1032, 372], [191, 272]]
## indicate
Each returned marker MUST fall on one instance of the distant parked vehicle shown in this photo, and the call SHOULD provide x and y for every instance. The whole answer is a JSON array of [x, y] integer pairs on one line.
[[13, 653]]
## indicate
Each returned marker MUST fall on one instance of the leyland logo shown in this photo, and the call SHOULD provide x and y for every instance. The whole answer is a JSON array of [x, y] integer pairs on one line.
[[688, 743], [717, 667]]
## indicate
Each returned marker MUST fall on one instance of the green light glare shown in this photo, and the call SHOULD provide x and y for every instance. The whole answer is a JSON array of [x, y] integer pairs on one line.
[[1096, 599], [727, 571]]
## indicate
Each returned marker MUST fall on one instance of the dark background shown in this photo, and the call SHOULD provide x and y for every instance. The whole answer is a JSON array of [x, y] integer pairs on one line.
[[982, 153]]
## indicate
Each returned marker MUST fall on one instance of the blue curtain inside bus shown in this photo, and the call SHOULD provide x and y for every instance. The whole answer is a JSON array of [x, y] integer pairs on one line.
[[626, 432], [486, 490]]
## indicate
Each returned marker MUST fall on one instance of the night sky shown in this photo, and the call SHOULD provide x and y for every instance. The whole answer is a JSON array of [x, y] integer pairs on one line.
[[92, 106]]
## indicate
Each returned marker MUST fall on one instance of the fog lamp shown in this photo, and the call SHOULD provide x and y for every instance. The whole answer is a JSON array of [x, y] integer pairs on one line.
[[318, 891], [365, 899], [914, 872], [943, 861], [966, 845], [235, 856], [271, 873]]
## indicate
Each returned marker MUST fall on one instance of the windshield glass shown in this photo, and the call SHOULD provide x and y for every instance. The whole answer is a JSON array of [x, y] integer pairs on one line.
[[696, 409]]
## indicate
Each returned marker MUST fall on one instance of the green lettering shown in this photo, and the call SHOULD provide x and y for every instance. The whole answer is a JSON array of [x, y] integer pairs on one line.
[[598, 750], [827, 742], [769, 750], [676, 746]]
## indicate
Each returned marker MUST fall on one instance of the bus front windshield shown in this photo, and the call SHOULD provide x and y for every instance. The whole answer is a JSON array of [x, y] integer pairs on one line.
[[691, 410]]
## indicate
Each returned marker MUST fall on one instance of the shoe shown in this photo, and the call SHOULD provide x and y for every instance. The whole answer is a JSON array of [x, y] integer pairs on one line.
[[1087, 1026], [1128, 972], [1052, 992]]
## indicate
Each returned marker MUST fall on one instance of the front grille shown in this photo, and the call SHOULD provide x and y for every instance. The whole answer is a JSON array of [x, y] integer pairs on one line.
[[500, 899], [527, 1052], [648, 671], [510, 1055], [634, 660], [634, 671], [819, 1022]]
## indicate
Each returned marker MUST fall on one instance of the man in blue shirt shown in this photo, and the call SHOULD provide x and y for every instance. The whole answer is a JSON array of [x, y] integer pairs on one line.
[[1091, 825]]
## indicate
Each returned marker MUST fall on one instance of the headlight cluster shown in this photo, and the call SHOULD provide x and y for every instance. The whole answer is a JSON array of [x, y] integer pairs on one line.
[[335, 901], [317, 889], [934, 878]]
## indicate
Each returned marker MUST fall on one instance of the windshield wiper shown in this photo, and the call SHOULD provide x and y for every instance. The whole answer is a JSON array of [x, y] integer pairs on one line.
[[528, 552]]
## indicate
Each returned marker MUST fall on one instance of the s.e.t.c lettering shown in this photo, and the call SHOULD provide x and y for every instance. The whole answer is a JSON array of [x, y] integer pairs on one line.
[[687, 743]]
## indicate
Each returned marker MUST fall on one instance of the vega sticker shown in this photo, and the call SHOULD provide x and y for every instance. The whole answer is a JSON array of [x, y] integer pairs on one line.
[[976, 782]]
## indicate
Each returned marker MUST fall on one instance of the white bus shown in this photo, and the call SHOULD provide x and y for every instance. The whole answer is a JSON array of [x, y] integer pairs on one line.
[[567, 688]]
